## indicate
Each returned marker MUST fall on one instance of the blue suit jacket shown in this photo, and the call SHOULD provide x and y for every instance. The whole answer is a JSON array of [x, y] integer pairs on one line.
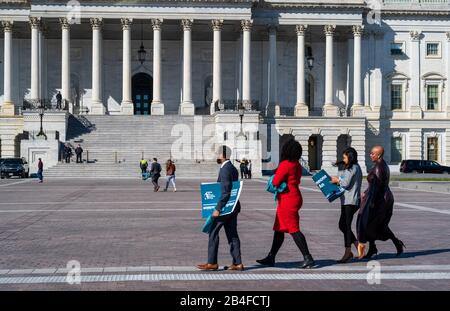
[[227, 174]]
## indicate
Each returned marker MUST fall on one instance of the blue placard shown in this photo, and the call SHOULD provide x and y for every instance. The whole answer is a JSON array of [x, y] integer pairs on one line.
[[330, 191], [211, 193]]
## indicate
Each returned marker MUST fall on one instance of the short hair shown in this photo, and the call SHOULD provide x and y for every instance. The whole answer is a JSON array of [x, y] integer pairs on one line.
[[292, 151], [224, 151], [155, 159]]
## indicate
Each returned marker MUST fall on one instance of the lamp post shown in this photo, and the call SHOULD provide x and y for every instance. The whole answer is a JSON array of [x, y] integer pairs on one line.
[[241, 111], [142, 52], [41, 110], [309, 56]]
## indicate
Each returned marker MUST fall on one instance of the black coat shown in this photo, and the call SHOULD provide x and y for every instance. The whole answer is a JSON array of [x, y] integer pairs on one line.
[[376, 206], [227, 174]]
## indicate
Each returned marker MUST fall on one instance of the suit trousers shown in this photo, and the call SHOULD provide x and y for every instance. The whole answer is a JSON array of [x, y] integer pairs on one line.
[[229, 222]]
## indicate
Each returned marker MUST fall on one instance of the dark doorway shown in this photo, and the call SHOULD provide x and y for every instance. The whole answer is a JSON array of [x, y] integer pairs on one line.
[[142, 84], [314, 152]]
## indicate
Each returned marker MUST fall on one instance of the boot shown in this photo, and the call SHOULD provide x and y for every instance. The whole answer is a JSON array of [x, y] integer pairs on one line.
[[268, 261], [372, 251], [308, 263]]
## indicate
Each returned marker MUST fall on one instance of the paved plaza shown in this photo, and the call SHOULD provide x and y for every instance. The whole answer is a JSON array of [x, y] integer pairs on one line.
[[126, 237]]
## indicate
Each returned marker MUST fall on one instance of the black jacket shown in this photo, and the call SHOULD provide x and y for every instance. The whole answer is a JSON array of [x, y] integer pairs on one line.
[[227, 174]]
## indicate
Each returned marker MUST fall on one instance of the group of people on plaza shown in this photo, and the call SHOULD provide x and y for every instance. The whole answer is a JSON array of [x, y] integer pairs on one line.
[[374, 207], [67, 153], [155, 173], [245, 166]]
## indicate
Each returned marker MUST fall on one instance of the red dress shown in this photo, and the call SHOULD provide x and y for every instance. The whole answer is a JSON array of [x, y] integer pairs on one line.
[[290, 201]]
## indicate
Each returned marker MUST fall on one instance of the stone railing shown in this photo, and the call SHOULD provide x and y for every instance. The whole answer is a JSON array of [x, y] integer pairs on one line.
[[416, 2]]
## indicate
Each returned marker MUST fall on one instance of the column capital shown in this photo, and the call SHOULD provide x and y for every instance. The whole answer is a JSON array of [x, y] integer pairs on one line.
[[217, 24], [157, 23], [246, 24], [96, 23], [65, 24], [7, 25], [126, 23], [357, 30], [329, 29], [187, 24], [301, 29], [415, 35], [35, 22], [272, 28]]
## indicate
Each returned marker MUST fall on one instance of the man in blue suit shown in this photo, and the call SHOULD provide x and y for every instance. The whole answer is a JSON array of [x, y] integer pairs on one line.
[[227, 174]]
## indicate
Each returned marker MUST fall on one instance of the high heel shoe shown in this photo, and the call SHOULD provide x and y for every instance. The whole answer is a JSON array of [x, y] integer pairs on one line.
[[371, 252], [346, 258], [361, 250], [399, 246], [268, 261]]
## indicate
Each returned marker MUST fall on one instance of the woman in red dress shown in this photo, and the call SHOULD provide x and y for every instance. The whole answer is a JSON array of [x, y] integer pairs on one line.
[[289, 203]]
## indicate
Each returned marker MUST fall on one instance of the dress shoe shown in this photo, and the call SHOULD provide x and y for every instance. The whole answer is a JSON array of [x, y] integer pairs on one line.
[[399, 246], [308, 263], [208, 267], [268, 261], [233, 267], [371, 252], [361, 250]]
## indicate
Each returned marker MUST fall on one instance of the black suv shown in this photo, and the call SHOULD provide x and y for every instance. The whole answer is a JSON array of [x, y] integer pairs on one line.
[[423, 166], [14, 167]]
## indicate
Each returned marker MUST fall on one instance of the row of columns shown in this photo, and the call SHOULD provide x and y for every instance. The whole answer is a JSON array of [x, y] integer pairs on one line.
[[186, 105]]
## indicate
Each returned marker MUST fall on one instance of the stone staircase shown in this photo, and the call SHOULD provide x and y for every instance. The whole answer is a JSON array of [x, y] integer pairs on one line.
[[113, 145]]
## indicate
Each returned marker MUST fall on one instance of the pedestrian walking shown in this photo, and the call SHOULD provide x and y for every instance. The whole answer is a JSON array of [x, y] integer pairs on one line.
[[350, 179], [377, 207], [155, 171], [290, 201], [170, 173], [143, 164], [249, 169], [227, 174], [40, 171], [79, 153]]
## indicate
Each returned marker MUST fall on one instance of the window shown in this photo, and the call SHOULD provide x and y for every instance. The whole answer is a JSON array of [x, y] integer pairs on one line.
[[432, 96], [397, 48], [432, 149], [396, 149], [433, 49], [396, 96]]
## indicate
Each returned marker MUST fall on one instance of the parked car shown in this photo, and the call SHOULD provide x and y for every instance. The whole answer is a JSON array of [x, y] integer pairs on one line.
[[14, 167], [423, 166]]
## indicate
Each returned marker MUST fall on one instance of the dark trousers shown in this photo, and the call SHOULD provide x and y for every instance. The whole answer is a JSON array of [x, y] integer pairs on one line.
[[229, 222], [40, 175], [67, 159], [242, 173], [249, 174], [155, 178], [79, 159], [345, 223]]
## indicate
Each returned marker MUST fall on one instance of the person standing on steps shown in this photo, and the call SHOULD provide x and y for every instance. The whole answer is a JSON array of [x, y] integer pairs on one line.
[[143, 164], [170, 173], [350, 178], [155, 171], [243, 167], [290, 201], [40, 171], [67, 153], [377, 206], [227, 174], [79, 153], [249, 169]]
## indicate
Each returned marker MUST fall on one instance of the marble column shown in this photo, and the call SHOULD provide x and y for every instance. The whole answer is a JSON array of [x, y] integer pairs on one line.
[[217, 64], [414, 89], [126, 107], [97, 107], [447, 109], [246, 63], [157, 107], [329, 108], [65, 59], [35, 23], [7, 108], [187, 106], [357, 107], [272, 98], [301, 108]]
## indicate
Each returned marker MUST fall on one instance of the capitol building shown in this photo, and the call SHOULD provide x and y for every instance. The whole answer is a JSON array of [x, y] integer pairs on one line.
[[140, 78]]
